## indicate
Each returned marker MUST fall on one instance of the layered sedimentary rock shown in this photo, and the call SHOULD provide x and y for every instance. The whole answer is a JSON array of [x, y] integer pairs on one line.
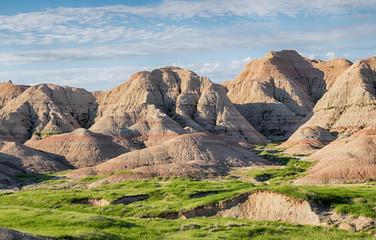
[[349, 106], [275, 93], [347, 160], [164, 103], [15, 158], [46, 108], [8, 91], [196, 154], [82, 148], [260, 206]]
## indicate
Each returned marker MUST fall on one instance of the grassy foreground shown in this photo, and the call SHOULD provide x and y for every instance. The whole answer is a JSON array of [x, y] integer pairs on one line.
[[72, 225], [50, 207], [47, 210]]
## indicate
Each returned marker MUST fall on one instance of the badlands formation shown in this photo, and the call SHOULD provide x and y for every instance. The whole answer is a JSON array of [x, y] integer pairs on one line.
[[275, 93], [170, 121], [193, 148], [349, 106]]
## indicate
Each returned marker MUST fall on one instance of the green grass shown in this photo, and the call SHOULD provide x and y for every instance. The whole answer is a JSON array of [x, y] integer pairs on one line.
[[71, 225], [166, 197], [50, 212], [46, 208], [45, 134], [270, 146], [352, 199], [24, 179]]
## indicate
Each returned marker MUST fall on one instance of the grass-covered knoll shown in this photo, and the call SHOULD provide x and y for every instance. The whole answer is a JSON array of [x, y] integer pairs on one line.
[[47, 208], [165, 196], [173, 195], [50, 212], [62, 224]]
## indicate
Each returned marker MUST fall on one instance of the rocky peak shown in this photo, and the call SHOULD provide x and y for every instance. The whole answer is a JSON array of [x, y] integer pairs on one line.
[[167, 100], [346, 108], [275, 93], [46, 108]]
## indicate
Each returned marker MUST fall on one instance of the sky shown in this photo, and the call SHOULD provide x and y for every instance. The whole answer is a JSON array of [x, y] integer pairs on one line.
[[98, 44]]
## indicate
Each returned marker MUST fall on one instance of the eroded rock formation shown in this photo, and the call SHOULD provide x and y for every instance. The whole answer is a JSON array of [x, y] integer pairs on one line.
[[8, 91], [15, 158], [197, 154], [275, 93], [46, 108], [164, 103], [347, 160], [82, 148], [349, 106]]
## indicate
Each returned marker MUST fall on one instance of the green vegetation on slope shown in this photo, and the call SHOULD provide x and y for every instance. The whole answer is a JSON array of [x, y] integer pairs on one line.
[[50, 207]]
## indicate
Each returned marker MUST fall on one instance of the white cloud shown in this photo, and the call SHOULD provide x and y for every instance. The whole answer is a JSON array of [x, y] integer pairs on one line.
[[329, 55], [217, 72], [90, 78], [94, 79], [247, 59], [184, 39], [53, 20]]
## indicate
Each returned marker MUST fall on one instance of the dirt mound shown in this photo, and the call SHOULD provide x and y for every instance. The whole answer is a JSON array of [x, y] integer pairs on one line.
[[81, 148], [261, 206], [265, 205], [275, 93], [9, 234], [26, 160], [116, 178], [15, 158], [348, 160], [46, 108], [159, 105], [349, 105], [307, 140], [186, 155]]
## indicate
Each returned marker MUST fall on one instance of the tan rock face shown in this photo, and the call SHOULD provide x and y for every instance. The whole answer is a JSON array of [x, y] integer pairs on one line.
[[8, 91], [275, 93], [347, 107], [81, 148], [187, 155], [347, 160], [46, 108], [164, 103], [332, 69], [270, 206]]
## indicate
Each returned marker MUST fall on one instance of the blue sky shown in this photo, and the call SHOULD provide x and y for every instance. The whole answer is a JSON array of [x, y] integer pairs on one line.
[[100, 44]]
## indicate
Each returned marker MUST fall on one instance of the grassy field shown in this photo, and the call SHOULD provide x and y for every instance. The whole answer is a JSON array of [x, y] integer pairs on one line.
[[48, 208]]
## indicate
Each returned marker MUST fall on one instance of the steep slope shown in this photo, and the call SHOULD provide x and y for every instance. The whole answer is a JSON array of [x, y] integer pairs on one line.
[[164, 103], [349, 106], [46, 108], [8, 91], [348, 160], [275, 93], [187, 155], [81, 148]]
